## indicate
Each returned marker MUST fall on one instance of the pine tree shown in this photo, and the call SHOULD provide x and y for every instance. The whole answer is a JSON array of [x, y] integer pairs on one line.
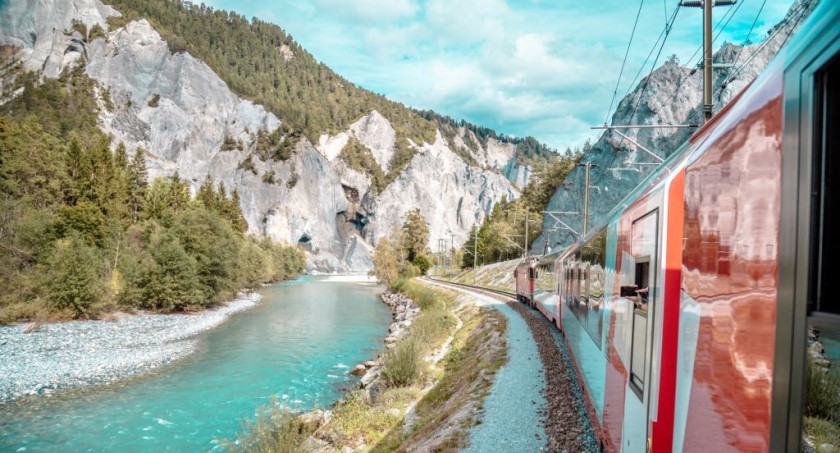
[[233, 212], [206, 195], [415, 234], [72, 279], [172, 282], [137, 185], [179, 193]]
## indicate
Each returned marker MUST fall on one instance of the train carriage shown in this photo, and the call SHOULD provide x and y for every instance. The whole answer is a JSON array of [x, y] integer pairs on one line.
[[687, 312], [524, 277]]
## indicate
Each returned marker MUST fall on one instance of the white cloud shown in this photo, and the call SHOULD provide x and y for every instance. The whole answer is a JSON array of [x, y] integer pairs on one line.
[[369, 11]]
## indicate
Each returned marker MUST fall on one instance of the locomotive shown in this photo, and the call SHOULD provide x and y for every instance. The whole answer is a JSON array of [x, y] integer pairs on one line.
[[687, 312]]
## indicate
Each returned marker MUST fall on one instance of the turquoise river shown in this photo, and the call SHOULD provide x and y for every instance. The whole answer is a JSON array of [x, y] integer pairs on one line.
[[297, 344]]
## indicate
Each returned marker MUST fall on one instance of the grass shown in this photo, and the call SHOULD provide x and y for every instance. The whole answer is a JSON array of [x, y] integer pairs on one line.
[[822, 432], [401, 364], [822, 407], [823, 396], [495, 275], [275, 430], [448, 411]]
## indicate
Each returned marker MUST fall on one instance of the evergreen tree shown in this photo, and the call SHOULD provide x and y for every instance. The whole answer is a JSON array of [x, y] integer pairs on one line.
[[179, 193], [172, 281], [137, 185], [72, 279], [207, 194], [233, 213], [415, 234]]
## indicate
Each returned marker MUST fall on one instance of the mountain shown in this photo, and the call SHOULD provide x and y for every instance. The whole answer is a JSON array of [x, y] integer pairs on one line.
[[316, 160], [671, 94]]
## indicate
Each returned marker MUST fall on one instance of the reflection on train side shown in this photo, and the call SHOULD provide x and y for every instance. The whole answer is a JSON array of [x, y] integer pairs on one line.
[[581, 286]]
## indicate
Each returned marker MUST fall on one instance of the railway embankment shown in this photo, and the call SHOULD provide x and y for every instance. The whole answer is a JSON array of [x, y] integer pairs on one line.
[[563, 415]]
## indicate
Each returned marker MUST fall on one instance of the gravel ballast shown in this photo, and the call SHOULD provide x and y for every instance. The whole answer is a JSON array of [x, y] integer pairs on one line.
[[39, 360]]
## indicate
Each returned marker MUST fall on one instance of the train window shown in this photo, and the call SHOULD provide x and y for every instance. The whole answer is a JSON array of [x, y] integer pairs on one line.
[[823, 298], [644, 247], [824, 295]]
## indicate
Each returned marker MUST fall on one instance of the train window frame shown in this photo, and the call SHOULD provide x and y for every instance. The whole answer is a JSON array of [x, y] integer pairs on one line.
[[808, 57], [649, 262]]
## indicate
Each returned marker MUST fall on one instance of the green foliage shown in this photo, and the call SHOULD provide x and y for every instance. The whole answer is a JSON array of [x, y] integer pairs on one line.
[[386, 261], [169, 281], [821, 432], [359, 158], [75, 215], [508, 218], [96, 32], [72, 276], [423, 263], [79, 26], [248, 165], [275, 430], [415, 234], [401, 364], [822, 398], [229, 144]]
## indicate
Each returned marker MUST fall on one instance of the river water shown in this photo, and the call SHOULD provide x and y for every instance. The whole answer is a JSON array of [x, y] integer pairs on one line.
[[297, 344]]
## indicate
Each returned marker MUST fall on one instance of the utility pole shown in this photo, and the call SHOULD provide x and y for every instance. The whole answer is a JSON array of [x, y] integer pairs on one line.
[[588, 166], [707, 6], [525, 249], [475, 257]]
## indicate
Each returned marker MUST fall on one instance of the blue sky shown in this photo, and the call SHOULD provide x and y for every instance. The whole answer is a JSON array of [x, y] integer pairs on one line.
[[545, 68]]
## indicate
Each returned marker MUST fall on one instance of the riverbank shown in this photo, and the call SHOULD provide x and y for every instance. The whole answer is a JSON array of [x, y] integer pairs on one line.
[[37, 360]]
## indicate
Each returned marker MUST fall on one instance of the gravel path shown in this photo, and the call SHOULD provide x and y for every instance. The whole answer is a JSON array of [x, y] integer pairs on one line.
[[564, 419], [514, 411], [80, 353]]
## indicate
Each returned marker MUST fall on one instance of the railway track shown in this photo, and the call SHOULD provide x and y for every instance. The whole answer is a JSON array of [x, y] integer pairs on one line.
[[496, 292], [566, 422]]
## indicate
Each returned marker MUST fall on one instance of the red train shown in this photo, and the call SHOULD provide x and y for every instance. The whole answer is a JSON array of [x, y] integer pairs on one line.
[[687, 312]]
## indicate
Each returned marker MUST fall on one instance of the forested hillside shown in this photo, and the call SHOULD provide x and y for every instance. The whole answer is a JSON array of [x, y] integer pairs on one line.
[[260, 62], [82, 231]]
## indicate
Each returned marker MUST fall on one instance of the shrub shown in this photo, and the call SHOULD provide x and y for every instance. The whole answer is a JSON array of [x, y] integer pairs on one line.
[[423, 263], [275, 429], [401, 364], [823, 393], [154, 101]]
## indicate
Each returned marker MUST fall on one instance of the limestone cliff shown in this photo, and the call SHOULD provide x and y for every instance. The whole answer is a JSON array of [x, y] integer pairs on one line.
[[175, 107]]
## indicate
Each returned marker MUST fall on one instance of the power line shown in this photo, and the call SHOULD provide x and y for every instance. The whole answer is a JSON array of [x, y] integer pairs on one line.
[[718, 30], [803, 9], [665, 32], [626, 53]]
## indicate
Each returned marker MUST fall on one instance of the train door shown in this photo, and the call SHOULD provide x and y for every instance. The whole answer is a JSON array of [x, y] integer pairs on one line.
[[642, 268], [808, 312]]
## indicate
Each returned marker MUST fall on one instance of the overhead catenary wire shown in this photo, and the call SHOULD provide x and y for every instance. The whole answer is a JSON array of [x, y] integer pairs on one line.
[[664, 38], [801, 11], [718, 30], [623, 63]]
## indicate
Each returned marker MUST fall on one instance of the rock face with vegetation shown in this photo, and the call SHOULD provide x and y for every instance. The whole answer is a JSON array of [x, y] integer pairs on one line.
[[316, 160], [671, 94]]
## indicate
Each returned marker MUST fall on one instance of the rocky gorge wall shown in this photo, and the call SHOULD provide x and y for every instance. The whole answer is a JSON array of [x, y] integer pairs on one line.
[[182, 113]]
